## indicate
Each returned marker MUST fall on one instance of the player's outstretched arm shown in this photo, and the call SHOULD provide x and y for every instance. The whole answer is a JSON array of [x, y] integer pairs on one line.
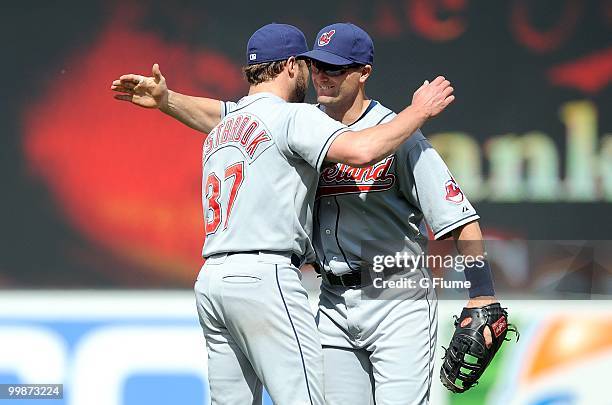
[[366, 147], [199, 113]]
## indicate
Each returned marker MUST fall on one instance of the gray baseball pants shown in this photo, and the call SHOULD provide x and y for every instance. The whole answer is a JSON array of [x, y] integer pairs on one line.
[[259, 330], [377, 350]]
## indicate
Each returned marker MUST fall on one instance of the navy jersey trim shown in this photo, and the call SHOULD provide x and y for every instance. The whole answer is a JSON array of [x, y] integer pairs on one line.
[[382, 119], [294, 333], [325, 148], [431, 360], [373, 103], [320, 311], [454, 225], [348, 349]]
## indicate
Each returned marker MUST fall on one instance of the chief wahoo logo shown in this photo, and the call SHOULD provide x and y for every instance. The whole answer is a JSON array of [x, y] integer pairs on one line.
[[326, 37]]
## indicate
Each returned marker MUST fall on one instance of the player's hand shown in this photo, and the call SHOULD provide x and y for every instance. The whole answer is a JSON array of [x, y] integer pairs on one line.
[[148, 92], [465, 359], [479, 302], [306, 267], [432, 98]]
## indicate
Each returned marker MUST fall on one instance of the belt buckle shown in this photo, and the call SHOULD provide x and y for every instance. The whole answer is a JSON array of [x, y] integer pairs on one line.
[[330, 276], [348, 276]]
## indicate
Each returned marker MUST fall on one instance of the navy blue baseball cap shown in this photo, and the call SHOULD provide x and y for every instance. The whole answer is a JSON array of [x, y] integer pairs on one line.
[[342, 44], [274, 42]]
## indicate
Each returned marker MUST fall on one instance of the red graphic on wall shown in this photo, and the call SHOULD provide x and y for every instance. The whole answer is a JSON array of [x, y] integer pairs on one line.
[[128, 178], [544, 40], [426, 19], [589, 74]]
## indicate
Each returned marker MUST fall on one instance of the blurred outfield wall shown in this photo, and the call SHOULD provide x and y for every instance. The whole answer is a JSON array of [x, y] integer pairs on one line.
[[134, 348], [98, 193]]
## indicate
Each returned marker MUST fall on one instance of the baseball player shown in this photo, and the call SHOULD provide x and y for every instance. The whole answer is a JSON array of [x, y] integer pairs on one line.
[[379, 350], [261, 163]]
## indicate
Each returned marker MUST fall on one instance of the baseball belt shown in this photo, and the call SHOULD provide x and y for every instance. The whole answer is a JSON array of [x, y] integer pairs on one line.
[[355, 279], [296, 261]]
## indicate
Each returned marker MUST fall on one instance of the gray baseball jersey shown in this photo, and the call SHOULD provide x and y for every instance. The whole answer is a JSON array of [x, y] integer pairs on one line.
[[261, 165], [382, 346], [387, 201]]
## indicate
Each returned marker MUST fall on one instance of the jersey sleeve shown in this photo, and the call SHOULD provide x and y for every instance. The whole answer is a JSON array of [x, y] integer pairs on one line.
[[311, 133], [429, 185], [227, 107]]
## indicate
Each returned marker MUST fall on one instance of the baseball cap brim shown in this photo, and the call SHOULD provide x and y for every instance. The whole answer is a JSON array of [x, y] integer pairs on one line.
[[326, 57]]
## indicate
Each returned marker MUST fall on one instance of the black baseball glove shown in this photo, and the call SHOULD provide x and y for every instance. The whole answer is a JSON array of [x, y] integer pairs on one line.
[[467, 356]]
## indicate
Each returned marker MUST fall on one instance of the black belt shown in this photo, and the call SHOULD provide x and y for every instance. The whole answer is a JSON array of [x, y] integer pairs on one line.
[[295, 259], [352, 279], [356, 278]]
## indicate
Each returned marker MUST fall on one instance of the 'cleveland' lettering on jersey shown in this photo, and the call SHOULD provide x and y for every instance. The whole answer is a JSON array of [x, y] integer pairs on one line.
[[244, 131], [344, 179]]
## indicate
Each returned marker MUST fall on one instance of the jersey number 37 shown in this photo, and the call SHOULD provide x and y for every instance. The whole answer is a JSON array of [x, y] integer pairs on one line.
[[233, 177]]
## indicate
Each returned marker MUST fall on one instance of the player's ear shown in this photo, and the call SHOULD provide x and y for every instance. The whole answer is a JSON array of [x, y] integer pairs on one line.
[[365, 73], [292, 66]]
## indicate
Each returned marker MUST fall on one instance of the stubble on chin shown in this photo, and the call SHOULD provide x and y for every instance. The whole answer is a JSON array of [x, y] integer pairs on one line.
[[299, 94]]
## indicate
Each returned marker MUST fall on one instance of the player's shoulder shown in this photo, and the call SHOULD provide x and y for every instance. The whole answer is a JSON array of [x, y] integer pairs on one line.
[[304, 107], [382, 112], [254, 102], [416, 141], [304, 111]]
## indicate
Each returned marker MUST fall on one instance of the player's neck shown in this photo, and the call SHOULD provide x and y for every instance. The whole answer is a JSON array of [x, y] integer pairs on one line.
[[270, 87], [349, 112]]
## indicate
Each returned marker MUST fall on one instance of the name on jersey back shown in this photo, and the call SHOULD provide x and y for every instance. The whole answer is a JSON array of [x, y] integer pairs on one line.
[[243, 131]]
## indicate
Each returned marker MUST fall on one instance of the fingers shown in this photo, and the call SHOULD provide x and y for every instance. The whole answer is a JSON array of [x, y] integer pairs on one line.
[[141, 80], [425, 83], [438, 80], [130, 78], [121, 89], [125, 86], [447, 91], [123, 97], [156, 72], [488, 337], [127, 83], [444, 89], [440, 84], [307, 267]]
